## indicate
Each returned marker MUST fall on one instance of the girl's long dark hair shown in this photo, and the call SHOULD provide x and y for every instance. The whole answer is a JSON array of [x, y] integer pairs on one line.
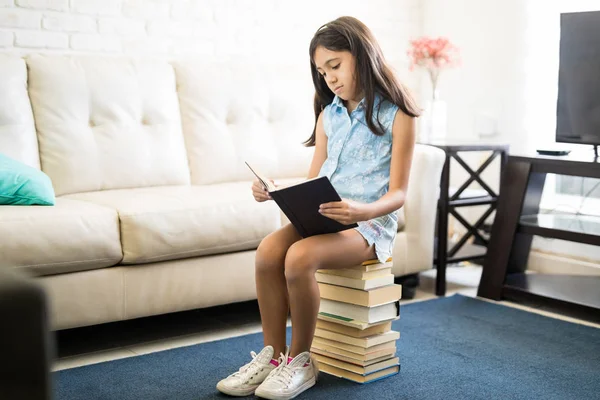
[[373, 75]]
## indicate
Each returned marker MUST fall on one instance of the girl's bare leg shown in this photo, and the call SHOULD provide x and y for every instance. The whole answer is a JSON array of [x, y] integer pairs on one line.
[[271, 285], [338, 250]]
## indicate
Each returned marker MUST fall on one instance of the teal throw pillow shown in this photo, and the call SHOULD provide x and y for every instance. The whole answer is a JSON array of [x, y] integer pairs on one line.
[[21, 184]]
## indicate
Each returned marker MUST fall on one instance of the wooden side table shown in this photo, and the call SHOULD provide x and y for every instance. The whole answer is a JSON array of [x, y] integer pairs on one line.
[[448, 203]]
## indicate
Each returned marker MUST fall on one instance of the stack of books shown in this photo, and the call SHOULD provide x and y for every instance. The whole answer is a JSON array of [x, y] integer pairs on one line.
[[354, 337]]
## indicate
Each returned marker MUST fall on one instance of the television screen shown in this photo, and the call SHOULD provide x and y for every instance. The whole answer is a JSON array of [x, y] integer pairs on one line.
[[578, 105]]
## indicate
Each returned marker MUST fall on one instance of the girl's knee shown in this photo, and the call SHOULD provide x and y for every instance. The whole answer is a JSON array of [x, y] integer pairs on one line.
[[300, 263], [269, 257]]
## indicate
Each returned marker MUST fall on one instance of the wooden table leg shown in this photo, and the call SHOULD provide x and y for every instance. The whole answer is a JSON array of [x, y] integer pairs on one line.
[[510, 203], [442, 230], [521, 246]]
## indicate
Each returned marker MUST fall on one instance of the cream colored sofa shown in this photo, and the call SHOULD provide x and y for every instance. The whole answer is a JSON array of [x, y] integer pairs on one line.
[[154, 212]]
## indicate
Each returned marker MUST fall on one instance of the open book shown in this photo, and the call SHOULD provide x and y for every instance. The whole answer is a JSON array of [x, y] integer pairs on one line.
[[300, 203]]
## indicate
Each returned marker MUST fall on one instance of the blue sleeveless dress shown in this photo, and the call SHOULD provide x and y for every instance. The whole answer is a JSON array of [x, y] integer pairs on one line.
[[358, 164]]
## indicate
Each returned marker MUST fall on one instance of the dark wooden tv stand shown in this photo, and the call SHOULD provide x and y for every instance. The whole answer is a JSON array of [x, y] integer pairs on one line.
[[518, 219]]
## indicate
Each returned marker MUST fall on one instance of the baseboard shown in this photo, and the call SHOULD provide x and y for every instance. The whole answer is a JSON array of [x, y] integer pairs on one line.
[[556, 264]]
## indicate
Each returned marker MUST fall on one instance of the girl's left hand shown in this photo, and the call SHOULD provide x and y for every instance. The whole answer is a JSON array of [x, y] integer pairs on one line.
[[345, 212]]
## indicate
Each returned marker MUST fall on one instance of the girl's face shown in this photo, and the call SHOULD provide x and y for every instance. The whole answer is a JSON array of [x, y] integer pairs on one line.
[[337, 68]]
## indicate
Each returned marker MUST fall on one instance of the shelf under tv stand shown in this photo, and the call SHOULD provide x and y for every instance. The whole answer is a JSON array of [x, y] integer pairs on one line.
[[518, 219]]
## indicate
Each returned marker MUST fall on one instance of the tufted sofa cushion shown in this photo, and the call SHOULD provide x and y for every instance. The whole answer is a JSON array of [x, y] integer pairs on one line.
[[107, 123], [235, 112], [17, 130], [167, 223]]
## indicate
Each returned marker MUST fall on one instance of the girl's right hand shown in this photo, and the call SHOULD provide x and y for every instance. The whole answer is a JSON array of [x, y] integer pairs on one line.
[[259, 192]]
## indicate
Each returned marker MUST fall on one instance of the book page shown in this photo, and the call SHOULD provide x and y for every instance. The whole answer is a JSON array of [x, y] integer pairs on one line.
[[264, 181]]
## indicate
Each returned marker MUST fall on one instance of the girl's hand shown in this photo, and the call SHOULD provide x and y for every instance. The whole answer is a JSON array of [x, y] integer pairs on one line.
[[259, 192], [345, 212]]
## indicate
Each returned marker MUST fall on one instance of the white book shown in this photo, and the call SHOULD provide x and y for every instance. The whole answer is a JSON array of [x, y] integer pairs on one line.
[[352, 323], [346, 311]]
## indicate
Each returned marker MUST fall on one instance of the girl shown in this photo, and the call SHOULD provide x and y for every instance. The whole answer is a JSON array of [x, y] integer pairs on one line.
[[364, 140]]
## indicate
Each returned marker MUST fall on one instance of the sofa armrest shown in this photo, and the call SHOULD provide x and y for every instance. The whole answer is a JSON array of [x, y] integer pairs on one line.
[[415, 253]]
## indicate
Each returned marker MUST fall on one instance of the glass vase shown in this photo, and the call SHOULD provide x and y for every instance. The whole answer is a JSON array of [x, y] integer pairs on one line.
[[433, 120]]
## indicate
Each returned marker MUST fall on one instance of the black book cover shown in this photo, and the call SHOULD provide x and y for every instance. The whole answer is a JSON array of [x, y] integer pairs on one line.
[[300, 203]]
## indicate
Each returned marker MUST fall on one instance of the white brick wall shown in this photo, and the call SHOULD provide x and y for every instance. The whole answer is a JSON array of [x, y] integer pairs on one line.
[[19, 18], [96, 7], [149, 9], [97, 43], [57, 5], [41, 40], [6, 39], [68, 23], [125, 27], [277, 29]]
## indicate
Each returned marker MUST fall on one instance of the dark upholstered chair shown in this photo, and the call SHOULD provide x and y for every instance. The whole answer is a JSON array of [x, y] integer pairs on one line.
[[26, 343]]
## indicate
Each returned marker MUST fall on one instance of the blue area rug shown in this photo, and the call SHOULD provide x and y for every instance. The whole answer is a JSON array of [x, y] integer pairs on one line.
[[449, 348]]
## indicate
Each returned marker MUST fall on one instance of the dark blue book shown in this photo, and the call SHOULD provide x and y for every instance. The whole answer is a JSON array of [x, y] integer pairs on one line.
[[300, 203]]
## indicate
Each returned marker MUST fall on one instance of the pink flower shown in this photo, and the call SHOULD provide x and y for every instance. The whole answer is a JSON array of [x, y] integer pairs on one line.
[[433, 55]]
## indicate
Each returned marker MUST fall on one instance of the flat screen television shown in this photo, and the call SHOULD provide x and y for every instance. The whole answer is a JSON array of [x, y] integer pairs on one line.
[[578, 104]]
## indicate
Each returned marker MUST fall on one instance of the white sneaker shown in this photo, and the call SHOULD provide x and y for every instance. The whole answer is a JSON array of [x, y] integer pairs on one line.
[[289, 380], [245, 381]]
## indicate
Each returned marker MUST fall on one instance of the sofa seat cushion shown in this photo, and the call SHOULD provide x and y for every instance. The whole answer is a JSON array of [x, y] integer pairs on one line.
[[67, 237], [173, 222]]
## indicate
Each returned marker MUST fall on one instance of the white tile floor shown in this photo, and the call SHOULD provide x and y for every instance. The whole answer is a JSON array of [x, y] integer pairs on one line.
[[130, 338]]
